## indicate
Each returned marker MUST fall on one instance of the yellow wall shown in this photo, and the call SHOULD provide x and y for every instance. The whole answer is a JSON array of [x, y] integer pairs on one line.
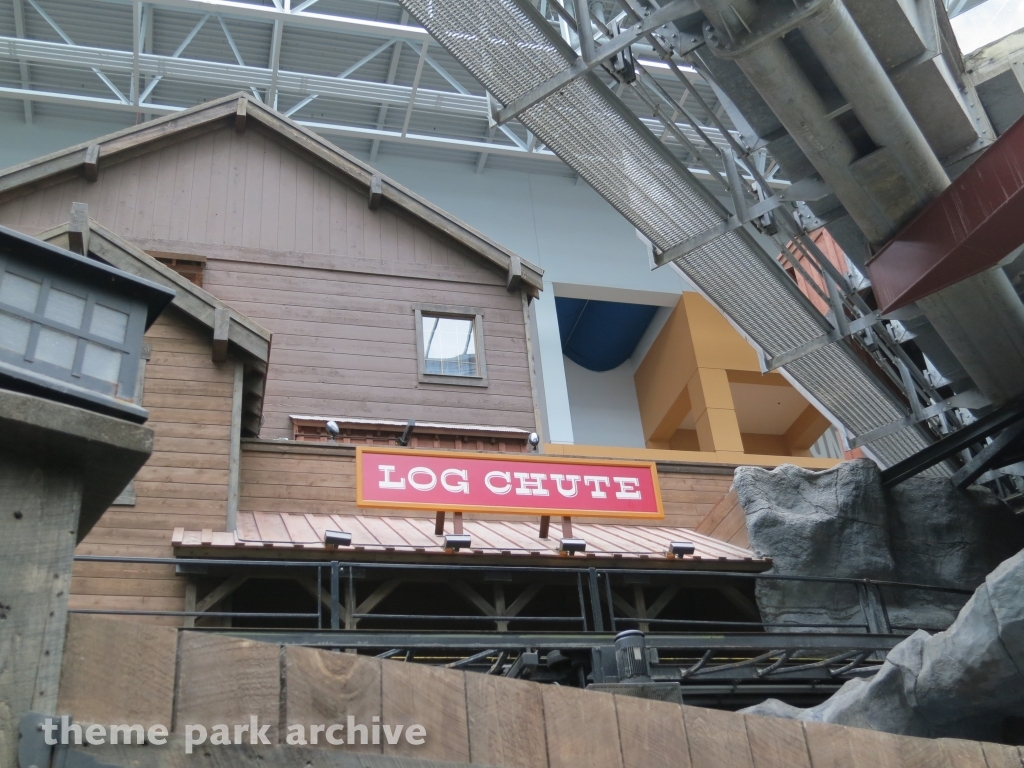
[[689, 373]]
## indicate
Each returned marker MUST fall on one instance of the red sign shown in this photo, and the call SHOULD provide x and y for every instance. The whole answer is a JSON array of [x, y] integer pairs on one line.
[[443, 481]]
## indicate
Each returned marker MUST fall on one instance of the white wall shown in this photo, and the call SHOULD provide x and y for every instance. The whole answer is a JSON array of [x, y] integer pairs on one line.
[[604, 407]]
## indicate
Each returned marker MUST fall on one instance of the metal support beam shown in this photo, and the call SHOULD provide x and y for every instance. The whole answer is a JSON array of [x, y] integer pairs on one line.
[[988, 458], [275, 63], [19, 30], [415, 87], [953, 443]]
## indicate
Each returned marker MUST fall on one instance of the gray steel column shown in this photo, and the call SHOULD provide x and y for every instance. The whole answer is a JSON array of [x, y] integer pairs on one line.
[[839, 44]]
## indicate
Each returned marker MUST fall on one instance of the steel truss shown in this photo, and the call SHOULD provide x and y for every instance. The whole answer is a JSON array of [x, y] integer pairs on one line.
[[546, 624]]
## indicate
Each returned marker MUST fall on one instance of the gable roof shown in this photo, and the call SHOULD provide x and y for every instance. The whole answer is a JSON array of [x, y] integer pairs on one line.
[[241, 110], [229, 328]]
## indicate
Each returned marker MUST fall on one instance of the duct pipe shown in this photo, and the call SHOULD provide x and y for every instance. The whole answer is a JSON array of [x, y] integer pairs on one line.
[[840, 46], [802, 112]]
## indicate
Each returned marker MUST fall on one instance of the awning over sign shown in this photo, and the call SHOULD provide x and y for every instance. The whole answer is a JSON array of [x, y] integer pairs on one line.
[[260, 533]]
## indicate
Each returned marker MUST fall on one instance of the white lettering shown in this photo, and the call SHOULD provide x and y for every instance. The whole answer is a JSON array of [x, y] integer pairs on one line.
[[220, 735], [314, 730], [627, 488], [597, 481], [67, 728], [49, 727], [331, 738], [387, 482], [414, 734], [531, 484], [296, 734], [428, 485], [462, 487], [194, 735], [261, 734], [157, 734], [239, 730], [495, 475], [352, 727], [573, 480], [127, 731], [392, 734], [95, 734]]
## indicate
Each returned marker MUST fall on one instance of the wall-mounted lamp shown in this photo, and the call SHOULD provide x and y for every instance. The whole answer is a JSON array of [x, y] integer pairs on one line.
[[533, 440], [680, 548], [407, 434], [337, 539], [571, 546], [453, 542], [332, 430]]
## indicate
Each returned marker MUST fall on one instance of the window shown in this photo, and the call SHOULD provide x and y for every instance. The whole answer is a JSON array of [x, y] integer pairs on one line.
[[68, 331], [449, 343]]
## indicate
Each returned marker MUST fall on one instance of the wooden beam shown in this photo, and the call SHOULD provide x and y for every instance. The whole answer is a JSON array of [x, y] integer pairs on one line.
[[661, 601], [309, 584], [78, 229], [515, 273], [376, 192], [240, 112], [439, 524], [91, 167], [545, 526], [377, 596], [524, 597], [219, 592], [473, 596], [221, 326]]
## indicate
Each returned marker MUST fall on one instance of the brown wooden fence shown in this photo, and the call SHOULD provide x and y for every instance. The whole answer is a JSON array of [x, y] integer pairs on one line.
[[120, 672]]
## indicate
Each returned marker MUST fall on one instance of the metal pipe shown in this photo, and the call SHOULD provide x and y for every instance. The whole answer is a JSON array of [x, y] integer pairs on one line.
[[840, 46]]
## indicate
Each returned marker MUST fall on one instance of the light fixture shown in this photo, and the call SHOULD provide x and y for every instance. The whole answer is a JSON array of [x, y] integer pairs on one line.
[[571, 546], [453, 542], [332, 429], [680, 548], [533, 440], [337, 539], [407, 434]]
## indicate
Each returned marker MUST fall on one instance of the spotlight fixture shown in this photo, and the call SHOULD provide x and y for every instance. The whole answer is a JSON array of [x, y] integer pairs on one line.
[[680, 548], [337, 539], [571, 546], [453, 542], [533, 440], [332, 430], [407, 434]]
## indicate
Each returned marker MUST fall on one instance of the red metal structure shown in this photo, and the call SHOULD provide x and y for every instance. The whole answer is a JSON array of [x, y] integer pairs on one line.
[[967, 229]]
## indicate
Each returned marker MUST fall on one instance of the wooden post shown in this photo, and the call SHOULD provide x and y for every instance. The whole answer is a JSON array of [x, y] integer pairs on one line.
[[457, 523], [545, 525], [566, 527], [439, 524], [60, 466]]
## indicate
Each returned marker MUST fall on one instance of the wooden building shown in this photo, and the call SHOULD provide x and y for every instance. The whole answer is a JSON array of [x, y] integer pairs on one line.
[[309, 289]]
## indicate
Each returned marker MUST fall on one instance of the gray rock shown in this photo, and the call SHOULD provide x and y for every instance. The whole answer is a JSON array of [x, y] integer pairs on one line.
[[831, 523], [963, 682], [840, 523]]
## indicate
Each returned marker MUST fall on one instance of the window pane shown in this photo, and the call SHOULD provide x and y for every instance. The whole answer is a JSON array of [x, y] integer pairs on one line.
[[56, 348], [449, 346], [108, 323], [14, 333], [19, 292], [64, 308], [101, 363]]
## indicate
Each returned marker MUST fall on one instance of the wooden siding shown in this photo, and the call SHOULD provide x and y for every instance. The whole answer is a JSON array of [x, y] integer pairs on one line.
[[184, 483], [294, 247], [345, 345], [301, 478], [469, 717], [727, 521]]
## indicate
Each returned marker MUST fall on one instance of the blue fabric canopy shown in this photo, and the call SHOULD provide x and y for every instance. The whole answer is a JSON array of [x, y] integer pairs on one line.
[[601, 335]]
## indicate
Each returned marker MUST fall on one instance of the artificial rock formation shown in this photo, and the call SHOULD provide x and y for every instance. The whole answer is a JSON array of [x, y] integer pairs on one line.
[[963, 682], [840, 523]]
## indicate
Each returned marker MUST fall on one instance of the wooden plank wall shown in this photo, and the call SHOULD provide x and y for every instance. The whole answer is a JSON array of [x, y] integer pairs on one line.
[[304, 478], [294, 247], [469, 717], [184, 483], [727, 521], [345, 344]]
